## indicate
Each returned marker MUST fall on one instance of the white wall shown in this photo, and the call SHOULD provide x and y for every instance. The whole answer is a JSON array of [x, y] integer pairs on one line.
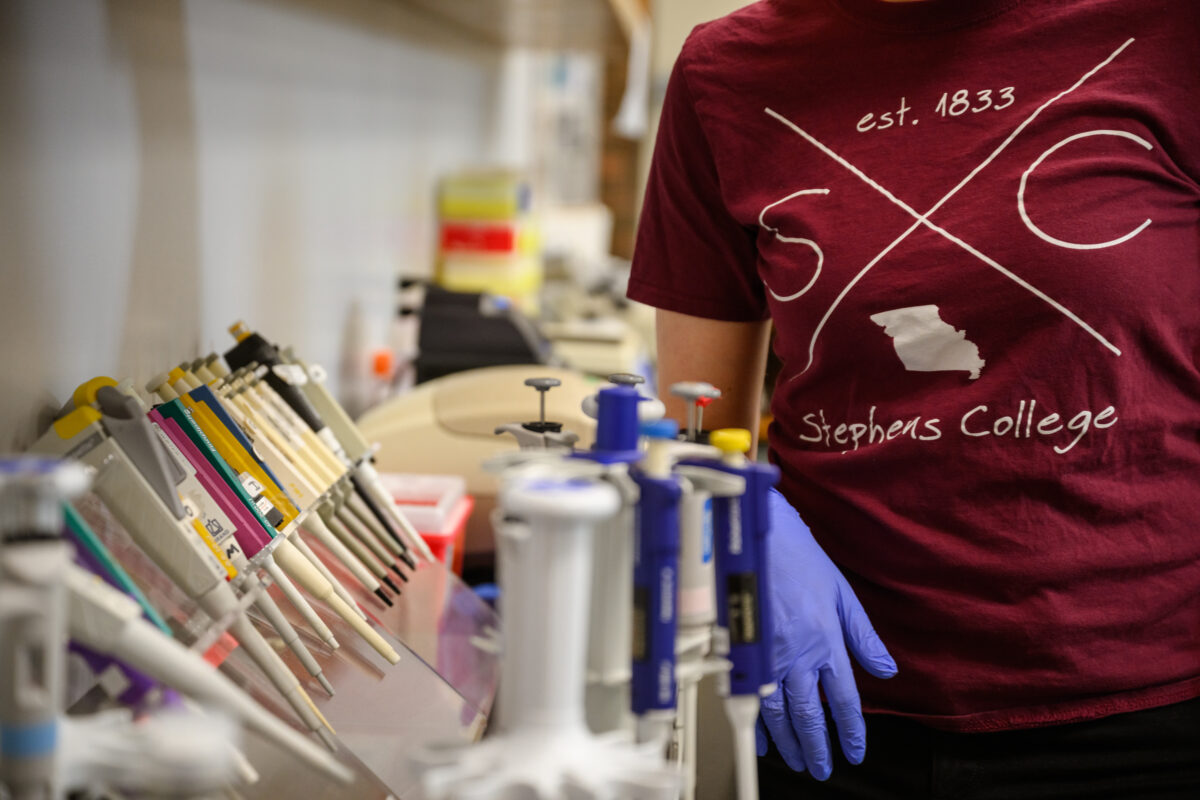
[[674, 20], [170, 166]]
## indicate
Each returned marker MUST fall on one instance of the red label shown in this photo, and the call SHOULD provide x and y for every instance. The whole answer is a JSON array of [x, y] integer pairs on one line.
[[458, 237]]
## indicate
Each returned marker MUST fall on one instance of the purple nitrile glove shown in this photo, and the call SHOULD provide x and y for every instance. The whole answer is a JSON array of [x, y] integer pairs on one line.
[[818, 621]]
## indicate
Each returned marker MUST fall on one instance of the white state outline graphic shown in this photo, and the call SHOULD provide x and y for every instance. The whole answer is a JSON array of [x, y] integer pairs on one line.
[[793, 240], [914, 352], [923, 219], [1036, 231]]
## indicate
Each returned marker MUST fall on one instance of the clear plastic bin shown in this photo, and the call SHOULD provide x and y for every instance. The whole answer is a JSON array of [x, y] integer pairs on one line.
[[438, 507]]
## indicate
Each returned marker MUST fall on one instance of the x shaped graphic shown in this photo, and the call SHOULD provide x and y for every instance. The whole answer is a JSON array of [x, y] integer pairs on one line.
[[923, 219]]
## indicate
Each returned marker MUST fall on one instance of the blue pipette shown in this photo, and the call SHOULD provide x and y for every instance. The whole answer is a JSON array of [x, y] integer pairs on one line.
[[655, 582], [740, 532]]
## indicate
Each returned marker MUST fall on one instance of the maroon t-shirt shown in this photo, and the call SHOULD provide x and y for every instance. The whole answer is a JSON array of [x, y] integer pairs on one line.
[[976, 227]]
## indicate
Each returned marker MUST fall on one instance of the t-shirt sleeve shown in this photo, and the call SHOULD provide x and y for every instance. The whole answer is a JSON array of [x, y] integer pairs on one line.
[[691, 255]]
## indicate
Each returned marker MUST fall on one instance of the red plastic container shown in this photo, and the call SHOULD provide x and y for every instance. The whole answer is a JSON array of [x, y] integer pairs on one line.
[[438, 507], [448, 544]]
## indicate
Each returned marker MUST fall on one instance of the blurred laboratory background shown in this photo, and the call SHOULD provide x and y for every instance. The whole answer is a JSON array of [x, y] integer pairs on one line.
[[426, 201]]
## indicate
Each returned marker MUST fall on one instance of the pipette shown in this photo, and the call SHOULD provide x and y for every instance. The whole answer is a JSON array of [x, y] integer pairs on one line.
[[281, 553], [229, 440], [306, 495], [302, 480], [361, 501], [313, 455], [655, 584], [695, 643], [234, 459], [617, 410], [323, 569], [108, 622], [237, 538], [690, 632], [353, 443], [697, 596], [544, 602], [327, 514], [541, 748], [357, 451], [698, 395], [367, 538], [253, 533], [310, 453], [283, 461], [356, 506], [285, 380], [314, 524], [267, 515], [649, 408], [87, 541], [44, 754], [541, 434], [133, 687], [744, 608]]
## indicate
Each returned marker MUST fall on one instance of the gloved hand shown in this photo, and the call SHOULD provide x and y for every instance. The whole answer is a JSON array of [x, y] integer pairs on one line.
[[817, 619]]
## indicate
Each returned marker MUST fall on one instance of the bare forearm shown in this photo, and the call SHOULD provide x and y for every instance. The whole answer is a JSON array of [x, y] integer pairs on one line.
[[729, 355]]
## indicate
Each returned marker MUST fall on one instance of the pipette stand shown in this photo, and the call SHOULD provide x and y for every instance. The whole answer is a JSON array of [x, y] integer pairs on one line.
[[542, 748], [442, 689], [541, 434]]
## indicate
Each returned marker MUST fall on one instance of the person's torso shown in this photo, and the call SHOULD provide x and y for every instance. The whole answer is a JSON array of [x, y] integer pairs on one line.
[[980, 240]]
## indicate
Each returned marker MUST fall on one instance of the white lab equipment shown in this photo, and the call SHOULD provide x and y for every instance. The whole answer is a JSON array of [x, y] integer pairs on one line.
[[542, 747], [447, 426]]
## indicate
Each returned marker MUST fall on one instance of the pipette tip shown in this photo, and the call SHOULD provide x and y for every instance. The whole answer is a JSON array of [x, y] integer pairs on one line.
[[382, 595], [327, 739], [396, 569], [326, 685], [407, 558], [390, 583]]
